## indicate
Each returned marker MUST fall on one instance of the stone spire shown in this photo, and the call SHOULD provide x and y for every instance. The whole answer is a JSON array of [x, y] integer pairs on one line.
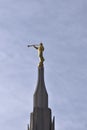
[[40, 95], [41, 118]]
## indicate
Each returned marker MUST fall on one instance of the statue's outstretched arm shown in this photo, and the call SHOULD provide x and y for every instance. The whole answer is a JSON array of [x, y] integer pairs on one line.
[[35, 47]]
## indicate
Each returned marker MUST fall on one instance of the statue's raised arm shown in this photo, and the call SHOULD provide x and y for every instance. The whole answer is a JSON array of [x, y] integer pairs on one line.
[[40, 49]]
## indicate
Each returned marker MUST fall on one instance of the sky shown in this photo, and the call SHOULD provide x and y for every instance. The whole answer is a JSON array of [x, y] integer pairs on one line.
[[62, 27]]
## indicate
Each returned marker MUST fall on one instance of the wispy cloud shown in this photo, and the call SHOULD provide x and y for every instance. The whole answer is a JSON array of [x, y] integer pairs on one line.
[[61, 25]]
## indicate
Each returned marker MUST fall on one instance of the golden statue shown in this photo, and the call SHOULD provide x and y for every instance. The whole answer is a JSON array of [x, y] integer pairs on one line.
[[40, 49]]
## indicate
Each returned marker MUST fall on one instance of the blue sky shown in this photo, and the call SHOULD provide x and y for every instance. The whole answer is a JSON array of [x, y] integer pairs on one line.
[[62, 26]]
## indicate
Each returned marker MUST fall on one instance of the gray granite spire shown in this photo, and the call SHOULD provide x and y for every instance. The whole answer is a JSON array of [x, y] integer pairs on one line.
[[40, 95], [41, 118]]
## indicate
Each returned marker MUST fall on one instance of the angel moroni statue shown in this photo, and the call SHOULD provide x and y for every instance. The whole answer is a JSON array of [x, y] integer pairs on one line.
[[40, 49]]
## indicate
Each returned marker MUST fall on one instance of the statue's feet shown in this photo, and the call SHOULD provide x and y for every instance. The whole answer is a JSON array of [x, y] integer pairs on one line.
[[40, 64]]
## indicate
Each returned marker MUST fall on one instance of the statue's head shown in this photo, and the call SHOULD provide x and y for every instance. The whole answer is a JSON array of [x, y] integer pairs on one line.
[[41, 44]]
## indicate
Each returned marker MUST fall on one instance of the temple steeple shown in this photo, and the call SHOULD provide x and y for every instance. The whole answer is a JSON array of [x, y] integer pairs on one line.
[[40, 95], [41, 118]]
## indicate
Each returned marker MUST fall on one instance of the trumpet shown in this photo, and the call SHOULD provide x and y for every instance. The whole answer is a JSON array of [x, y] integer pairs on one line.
[[32, 45]]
